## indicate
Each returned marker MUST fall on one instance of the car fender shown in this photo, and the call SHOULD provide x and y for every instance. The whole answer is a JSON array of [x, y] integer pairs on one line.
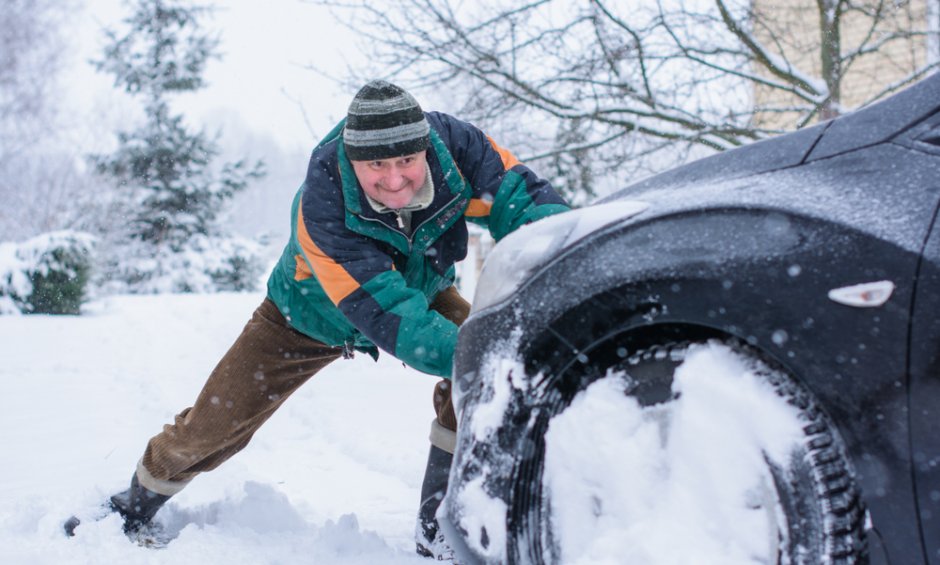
[[729, 271]]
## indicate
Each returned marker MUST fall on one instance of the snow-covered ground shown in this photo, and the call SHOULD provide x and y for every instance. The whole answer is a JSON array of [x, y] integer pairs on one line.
[[334, 476]]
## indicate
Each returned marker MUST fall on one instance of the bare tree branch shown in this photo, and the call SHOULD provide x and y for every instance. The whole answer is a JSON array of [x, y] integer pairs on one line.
[[596, 84], [764, 58]]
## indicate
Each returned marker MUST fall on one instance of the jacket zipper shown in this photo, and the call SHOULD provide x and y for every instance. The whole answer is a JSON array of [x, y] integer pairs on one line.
[[347, 348], [414, 231]]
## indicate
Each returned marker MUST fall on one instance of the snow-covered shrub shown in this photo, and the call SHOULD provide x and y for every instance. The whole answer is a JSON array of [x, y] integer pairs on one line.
[[47, 274], [14, 283], [239, 266], [203, 264]]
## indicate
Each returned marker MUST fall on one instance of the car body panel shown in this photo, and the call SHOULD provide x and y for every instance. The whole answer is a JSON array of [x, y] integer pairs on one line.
[[925, 394], [879, 122], [759, 157]]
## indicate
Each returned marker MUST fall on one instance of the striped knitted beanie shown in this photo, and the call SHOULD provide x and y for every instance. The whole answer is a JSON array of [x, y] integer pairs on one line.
[[383, 122]]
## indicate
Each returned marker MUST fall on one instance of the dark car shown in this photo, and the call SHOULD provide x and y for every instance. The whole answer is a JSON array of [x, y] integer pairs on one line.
[[813, 257]]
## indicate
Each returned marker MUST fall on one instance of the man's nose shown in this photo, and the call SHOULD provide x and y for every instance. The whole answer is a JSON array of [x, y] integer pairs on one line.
[[394, 179]]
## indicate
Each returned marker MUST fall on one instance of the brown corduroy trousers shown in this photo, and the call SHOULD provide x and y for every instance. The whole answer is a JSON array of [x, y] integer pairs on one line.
[[265, 365]]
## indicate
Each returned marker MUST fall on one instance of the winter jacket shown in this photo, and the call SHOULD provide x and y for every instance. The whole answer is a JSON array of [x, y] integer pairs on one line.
[[349, 276]]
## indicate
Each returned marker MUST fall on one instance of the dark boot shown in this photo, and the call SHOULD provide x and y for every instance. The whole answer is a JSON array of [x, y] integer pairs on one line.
[[429, 540], [137, 506]]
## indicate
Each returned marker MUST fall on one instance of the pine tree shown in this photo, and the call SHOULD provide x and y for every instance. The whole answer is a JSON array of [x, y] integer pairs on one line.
[[175, 194]]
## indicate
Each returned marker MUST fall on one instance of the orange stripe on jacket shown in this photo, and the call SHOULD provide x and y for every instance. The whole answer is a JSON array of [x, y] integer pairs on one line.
[[509, 160], [335, 280], [302, 272], [478, 208]]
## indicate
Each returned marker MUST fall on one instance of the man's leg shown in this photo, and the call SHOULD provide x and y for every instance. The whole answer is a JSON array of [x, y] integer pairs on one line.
[[264, 366], [443, 437]]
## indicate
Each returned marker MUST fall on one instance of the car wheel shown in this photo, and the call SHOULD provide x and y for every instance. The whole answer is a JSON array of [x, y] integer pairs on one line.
[[810, 501]]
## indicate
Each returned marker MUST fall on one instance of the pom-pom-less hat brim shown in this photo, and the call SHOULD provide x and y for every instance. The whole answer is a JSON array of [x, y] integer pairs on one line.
[[384, 121]]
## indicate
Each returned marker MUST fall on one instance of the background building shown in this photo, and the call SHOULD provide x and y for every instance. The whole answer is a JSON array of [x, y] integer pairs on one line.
[[875, 44]]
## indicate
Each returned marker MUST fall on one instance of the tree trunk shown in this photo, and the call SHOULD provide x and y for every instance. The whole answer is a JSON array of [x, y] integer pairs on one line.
[[831, 56]]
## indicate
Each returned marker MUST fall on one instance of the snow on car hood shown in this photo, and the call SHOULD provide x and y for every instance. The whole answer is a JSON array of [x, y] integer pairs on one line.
[[511, 262]]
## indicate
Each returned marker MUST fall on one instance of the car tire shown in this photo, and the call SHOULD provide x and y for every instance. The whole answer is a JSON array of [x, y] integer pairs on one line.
[[816, 499]]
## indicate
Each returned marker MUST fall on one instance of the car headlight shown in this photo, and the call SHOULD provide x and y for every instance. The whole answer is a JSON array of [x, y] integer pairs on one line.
[[512, 261]]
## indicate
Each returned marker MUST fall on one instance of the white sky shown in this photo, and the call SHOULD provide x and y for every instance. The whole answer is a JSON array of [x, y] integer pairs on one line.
[[260, 95], [261, 79]]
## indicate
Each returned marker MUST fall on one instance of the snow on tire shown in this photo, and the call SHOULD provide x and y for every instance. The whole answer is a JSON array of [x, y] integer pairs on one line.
[[804, 498]]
